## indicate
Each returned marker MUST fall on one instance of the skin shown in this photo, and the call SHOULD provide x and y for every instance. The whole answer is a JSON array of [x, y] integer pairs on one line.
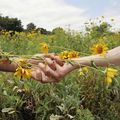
[[37, 73]]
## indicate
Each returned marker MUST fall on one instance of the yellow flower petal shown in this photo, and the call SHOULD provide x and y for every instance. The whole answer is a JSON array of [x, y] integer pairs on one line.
[[44, 48], [69, 54], [83, 71], [108, 80], [110, 73], [23, 73]]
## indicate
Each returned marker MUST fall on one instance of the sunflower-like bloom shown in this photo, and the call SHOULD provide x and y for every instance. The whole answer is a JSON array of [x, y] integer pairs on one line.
[[44, 48], [64, 55], [23, 73], [69, 54], [110, 73], [83, 71], [73, 54], [99, 48]]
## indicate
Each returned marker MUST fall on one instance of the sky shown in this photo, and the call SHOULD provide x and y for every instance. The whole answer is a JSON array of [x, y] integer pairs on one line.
[[50, 14]]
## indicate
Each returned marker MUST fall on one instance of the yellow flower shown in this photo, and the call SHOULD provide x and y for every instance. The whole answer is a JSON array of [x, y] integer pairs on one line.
[[44, 48], [99, 48], [69, 54], [64, 55], [23, 73], [73, 54], [110, 73], [83, 71]]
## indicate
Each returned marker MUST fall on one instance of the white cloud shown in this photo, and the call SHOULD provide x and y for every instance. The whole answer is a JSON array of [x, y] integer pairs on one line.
[[44, 13], [112, 12]]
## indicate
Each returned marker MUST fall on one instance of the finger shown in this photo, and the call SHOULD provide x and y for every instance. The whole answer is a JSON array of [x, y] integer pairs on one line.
[[49, 72], [56, 58], [44, 78], [58, 67], [51, 63], [47, 79], [55, 78], [58, 74], [46, 69], [36, 74], [34, 61]]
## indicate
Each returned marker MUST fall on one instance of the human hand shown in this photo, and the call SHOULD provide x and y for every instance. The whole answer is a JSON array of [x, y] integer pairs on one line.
[[55, 68], [37, 73], [52, 70]]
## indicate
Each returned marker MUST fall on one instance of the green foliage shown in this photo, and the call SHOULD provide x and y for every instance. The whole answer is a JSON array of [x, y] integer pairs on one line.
[[43, 31], [98, 30], [31, 27], [58, 30], [8, 24]]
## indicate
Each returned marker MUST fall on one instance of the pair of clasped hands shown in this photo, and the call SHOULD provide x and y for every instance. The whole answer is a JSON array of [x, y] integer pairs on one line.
[[56, 68], [52, 70]]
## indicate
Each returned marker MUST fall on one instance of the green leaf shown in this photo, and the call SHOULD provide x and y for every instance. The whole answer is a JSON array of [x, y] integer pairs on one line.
[[6, 110], [93, 64], [11, 112], [55, 117]]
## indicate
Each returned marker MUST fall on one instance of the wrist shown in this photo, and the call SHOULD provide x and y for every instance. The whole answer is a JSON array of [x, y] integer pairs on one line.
[[80, 62]]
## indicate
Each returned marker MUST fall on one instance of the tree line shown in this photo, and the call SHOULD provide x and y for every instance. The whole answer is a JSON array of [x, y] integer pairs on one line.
[[14, 24]]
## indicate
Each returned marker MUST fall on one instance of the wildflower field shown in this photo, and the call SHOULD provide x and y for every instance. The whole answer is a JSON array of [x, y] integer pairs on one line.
[[86, 94]]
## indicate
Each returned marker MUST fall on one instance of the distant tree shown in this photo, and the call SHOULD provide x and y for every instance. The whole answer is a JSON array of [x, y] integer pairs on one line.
[[58, 30], [60, 34], [43, 31], [13, 24], [99, 30], [31, 26]]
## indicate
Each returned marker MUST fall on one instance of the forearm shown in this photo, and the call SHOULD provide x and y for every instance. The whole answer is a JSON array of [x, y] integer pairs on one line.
[[112, 57], [11, 67], [7, 67]]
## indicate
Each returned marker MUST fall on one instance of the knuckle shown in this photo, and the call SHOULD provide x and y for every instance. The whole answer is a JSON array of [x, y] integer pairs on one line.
[[41, 65]]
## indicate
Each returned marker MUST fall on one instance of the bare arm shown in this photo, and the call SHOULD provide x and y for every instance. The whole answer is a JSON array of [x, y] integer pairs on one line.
[[8, 67], [36, 73], [112, 57], [11, 67]]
